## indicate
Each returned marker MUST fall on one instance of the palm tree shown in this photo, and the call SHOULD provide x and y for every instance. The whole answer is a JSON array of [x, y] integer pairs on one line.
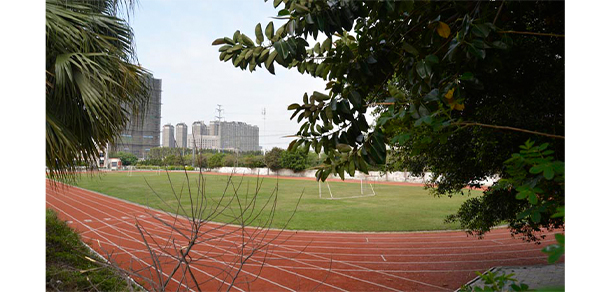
[[93, 80]]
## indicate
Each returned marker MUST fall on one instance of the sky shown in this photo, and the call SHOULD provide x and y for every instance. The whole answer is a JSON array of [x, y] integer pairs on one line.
[[173, 41]]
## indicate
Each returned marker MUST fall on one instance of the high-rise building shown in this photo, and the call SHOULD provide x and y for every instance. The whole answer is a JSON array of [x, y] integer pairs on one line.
[[168, 136], [143, 129], [199, 128], [181, 135], [233, 136], [237, 136]]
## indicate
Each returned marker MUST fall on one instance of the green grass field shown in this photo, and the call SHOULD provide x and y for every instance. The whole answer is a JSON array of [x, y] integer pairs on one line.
[[394, 208]]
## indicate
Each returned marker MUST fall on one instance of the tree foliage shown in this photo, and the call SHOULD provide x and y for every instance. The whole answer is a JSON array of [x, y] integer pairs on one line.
[[92, 80], [127, 158], [273, 158], [456, 88], [296, 160]]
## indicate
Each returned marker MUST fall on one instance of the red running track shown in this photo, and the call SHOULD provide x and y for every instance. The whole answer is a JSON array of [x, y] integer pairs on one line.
[[292, 260]]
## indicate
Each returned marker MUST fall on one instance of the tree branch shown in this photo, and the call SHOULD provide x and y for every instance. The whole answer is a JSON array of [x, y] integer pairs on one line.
[[533, 33], [466, 124]]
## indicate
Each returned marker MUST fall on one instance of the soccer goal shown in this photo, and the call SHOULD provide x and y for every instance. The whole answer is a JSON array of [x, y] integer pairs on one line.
[[347, 190], [130, 169]]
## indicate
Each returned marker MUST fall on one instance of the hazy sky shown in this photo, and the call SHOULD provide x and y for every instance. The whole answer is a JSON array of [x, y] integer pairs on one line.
[[173, 40]]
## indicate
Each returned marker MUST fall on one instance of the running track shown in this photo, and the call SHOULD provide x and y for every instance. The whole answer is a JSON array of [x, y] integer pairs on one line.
[[293, 260]]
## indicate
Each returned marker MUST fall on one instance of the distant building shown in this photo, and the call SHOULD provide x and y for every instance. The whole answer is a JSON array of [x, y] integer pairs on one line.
[[204, 142], [168, 136], [236, 136], [181, 135], [143, 130], [233, 136], [199, 129]]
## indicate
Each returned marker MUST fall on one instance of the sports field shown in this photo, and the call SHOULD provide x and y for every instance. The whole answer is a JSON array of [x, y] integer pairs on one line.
[[393, 208]]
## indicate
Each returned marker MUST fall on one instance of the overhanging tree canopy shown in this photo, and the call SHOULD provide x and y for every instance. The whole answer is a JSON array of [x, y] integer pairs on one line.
[[456, 86]]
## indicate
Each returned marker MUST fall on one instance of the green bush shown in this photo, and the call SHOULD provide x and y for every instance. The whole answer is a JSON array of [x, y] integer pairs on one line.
[[67, 269], [296, 160], [273, 158]]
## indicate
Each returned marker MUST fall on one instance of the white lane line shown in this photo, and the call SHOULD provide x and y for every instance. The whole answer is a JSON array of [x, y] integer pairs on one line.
[[69, 221], [383, 258], [445, 237], [395, 236], [132, 256], [124, 231], [332, 272], [107, 219], [87, 220], [133, 239], [369, 270], [496, 241]]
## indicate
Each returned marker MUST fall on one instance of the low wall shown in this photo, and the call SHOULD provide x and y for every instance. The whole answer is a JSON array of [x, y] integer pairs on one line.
[[373, 175]]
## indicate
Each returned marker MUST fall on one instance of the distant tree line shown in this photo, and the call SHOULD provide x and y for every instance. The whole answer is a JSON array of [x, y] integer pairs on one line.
[[296, 160]]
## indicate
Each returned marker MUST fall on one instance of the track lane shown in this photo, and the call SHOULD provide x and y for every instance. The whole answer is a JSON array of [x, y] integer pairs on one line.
[[329, 261]]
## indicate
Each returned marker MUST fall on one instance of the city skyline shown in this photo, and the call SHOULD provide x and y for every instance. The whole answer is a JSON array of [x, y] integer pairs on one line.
[[195, 81]]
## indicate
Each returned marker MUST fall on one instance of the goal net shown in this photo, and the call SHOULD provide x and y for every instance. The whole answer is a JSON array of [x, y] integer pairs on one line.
[[333, 190]]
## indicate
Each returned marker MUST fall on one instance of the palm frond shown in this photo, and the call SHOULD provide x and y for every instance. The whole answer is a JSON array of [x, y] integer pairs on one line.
[[92, 81]]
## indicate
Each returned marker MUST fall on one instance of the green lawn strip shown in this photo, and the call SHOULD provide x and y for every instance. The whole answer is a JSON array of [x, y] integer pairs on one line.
[[68, 269], [394, 208]]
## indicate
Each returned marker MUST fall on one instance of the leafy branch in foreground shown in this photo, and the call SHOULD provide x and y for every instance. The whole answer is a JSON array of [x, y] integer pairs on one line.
[[92, 81], [453, 92]]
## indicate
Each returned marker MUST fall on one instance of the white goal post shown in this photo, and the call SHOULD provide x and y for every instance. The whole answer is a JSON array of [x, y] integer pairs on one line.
[[367, 189]]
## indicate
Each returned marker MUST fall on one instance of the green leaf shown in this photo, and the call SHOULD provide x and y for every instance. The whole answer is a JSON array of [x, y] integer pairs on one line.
[[326, 45], [317, 96], [316, 48], [410, 49], [276, 3], [294, 106], [301, 9], [219, 41], [343, 147], [269, 61], [421, 69], [467, 76], [355, 98], [229, 41], [537, 169], [499, 45], [247, 41], [269, 30], [258, 31], [283, 12], [561, 238], [432, 59], [523, 194], [236, 36], [549, 173], [432, 95], [536, 216], [480, 30]]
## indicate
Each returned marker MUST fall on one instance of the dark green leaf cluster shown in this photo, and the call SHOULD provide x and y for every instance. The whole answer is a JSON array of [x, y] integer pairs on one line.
[[530, 197], [127, 158], [494, 281]]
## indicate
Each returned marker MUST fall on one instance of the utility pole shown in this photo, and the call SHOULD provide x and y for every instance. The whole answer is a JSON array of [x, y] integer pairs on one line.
[[264, 118], [219, 117]]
